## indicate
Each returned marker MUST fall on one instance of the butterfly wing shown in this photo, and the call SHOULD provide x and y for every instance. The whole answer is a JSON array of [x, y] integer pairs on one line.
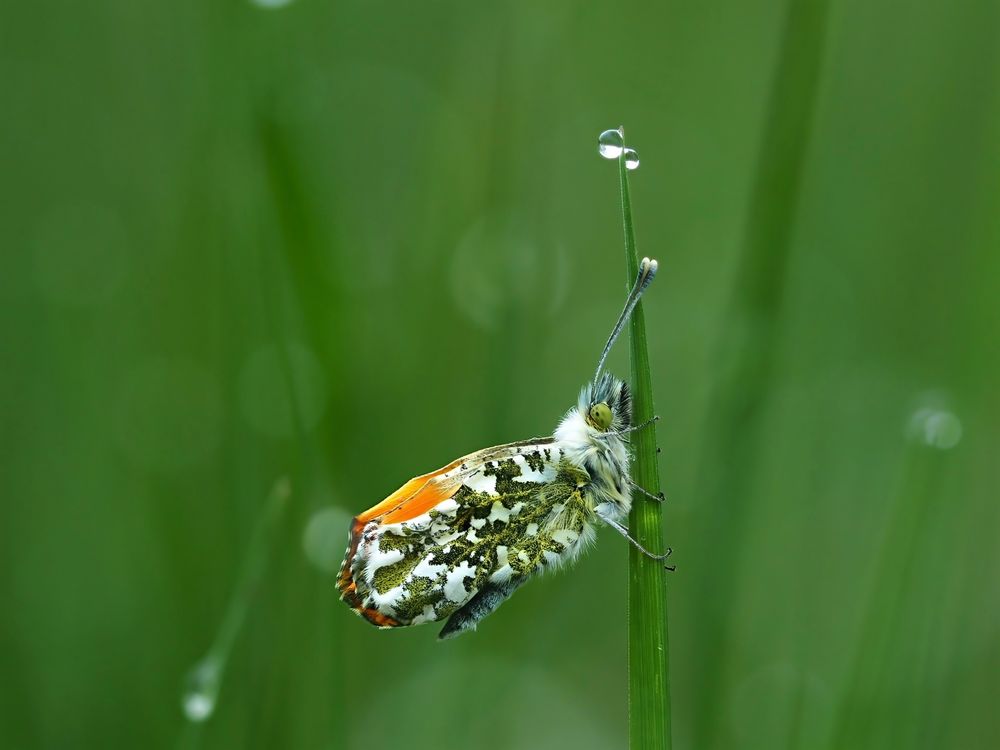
[[490, 517]]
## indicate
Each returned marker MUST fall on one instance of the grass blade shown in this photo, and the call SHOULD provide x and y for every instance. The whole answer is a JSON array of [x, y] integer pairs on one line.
[[751, 329], [648, 653]]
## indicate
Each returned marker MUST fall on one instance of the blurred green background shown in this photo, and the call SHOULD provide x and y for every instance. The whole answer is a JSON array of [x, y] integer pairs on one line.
[[345, 242]]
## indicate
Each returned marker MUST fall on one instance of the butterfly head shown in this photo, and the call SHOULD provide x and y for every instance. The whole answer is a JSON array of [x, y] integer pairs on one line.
[[606, 405]]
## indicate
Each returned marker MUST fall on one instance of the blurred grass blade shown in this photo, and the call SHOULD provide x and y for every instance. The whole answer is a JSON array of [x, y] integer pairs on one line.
[[748, 341], [648, 653], [205, 678], [892, 645]]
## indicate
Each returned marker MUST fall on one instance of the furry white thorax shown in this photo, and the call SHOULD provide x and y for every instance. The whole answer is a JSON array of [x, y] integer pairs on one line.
[[604, 456]]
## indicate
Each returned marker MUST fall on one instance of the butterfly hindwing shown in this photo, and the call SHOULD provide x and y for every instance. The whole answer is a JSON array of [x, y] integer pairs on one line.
[[484, 523]]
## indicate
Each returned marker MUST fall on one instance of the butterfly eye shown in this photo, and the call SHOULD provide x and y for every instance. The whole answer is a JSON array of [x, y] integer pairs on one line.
[[600, 416]]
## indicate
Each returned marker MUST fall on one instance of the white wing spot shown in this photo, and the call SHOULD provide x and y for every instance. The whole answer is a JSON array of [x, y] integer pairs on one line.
[[503, 571], [446, 507], [425, 569], [385, 603], [441, 538], [547, 474], [379, 559], [417, 523], [480, 482], [428, 615], [454, 586], [499, 513]]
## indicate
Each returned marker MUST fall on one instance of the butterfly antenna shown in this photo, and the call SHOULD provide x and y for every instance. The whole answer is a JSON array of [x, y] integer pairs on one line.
[[647, 270]]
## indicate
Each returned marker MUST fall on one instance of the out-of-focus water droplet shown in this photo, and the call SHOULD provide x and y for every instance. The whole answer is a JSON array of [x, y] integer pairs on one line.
[[325, 538], [938, 428], [631, 159], [270, 3], [499, 270], [610, 144], [201, 690]]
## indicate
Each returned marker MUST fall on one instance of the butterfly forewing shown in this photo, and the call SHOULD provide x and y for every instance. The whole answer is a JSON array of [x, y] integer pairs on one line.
[[488, 518]]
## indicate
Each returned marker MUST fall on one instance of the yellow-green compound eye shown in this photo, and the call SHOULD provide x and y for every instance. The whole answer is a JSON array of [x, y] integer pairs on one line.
[[600, 416]]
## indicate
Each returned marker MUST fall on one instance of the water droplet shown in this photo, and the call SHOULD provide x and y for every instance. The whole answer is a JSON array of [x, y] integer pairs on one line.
[[938, 428], [201, 690], [610, 144], [270, 3], [631, 159], [325, 538]]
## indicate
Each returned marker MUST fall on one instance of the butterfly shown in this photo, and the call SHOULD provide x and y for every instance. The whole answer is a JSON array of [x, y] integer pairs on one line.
[[454, 544]]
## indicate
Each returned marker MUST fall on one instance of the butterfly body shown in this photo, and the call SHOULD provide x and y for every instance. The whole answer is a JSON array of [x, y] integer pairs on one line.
[[490, 521]]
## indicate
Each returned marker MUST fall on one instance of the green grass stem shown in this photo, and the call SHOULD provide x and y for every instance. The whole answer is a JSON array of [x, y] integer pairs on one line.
[[648, 653], [749, 340], [883, 659], [205, 678]]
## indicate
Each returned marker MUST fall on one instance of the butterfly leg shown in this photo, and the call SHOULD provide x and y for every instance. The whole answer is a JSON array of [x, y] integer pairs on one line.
[[491, 596], [624, 532], [657, 496]]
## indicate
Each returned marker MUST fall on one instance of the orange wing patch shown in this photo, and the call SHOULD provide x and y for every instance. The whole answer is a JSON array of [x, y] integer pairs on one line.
[[405, 494], [432, 493], [349, 594]]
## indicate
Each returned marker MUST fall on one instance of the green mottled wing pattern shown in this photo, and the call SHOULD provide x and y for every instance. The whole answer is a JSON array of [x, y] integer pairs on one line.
[[510, 518]]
